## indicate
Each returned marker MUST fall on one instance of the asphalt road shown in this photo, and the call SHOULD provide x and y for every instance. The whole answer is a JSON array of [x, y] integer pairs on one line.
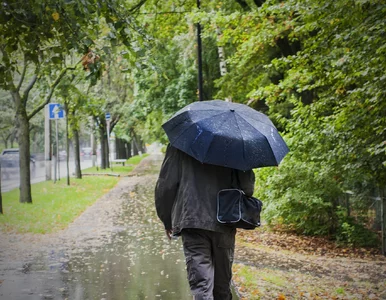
[[39, 174]]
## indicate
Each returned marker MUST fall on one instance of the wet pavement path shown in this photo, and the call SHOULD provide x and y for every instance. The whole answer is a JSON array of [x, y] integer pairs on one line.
[[115, 250]]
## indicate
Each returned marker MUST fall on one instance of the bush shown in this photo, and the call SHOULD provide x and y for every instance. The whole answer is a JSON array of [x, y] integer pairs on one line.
[[352, 233], [299, 196], [303, 197]]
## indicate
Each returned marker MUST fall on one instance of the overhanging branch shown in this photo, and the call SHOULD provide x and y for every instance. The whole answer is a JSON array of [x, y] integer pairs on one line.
[[29, 88], [51, 92], [22, 75], [136, 7]]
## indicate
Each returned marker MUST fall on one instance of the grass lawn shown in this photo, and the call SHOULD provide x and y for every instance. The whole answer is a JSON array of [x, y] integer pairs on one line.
[[55, 205], [117, 168]]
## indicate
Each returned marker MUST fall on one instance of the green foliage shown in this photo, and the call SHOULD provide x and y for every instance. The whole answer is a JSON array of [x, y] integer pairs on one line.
[[165, 81], [299, 196], [353, 233], [316, 68]]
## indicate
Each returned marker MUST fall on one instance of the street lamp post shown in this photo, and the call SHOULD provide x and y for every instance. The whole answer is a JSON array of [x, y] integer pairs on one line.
[[199, 60]]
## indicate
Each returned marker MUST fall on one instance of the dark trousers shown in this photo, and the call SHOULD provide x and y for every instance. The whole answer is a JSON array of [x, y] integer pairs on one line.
[[209, 258]]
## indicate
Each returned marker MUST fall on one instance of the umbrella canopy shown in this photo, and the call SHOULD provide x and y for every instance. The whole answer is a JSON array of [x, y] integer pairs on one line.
[[226, 134]]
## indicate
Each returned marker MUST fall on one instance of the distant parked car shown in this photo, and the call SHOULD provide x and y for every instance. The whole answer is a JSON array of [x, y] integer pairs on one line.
[[86, 153], [9, 159], [62, 155]]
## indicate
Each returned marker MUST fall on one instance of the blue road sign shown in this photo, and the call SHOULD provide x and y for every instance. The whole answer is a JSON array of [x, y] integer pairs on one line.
[[55, 111], [107, 116]]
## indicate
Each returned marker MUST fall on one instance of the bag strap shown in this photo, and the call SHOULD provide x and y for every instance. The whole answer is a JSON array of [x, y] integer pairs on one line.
[[234, 173]]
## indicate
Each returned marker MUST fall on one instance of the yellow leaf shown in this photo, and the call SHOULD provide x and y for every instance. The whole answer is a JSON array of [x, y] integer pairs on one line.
[[55, 16], [281, 297]]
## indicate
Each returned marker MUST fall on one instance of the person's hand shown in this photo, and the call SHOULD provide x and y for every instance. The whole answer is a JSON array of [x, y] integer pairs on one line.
[[168, 233]]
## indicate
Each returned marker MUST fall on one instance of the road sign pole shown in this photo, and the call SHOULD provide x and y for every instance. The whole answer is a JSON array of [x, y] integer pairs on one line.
[[47, 142], [57, 149], [107, 117], [108, 143], [55, 165]]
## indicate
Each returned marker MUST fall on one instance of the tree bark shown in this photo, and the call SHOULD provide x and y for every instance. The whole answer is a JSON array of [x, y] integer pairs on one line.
[[78, 171], [104, 151], [22, 124], [121, 149], [128, 150], [134, 147], [93, 143]]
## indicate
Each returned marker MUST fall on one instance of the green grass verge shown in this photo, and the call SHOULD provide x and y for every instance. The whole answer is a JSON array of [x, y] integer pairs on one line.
[[117, 168], [55, 205]]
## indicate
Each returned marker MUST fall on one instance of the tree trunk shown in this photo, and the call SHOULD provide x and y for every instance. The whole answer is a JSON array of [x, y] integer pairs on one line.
[[78, 172], [104, 151], [141, 146], [24, 154], [134, 147], [128, 150], [119, 144], [121, 148], [221, 54], [93, 144]]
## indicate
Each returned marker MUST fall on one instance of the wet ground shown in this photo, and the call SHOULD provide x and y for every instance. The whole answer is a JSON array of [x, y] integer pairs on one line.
[[115, 250]]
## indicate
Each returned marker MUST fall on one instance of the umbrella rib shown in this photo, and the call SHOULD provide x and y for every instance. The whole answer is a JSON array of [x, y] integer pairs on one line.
[[241, 136], [270, 125], [273, 153], [211, 143]]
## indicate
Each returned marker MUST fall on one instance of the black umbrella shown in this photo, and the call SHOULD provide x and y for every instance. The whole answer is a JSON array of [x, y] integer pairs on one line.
[[226, 134]]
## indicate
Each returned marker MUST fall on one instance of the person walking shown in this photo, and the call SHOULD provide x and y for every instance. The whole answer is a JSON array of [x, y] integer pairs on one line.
[[186, 203]]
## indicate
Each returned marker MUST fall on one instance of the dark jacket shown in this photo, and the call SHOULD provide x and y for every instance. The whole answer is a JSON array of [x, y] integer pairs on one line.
[[186, 191]]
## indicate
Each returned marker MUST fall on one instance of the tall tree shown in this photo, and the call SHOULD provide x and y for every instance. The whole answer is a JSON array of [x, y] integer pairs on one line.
[[317, 70], [35, 39]]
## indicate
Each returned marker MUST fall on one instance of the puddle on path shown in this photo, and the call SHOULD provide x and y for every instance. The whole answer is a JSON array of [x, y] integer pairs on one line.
[[138, 262]]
